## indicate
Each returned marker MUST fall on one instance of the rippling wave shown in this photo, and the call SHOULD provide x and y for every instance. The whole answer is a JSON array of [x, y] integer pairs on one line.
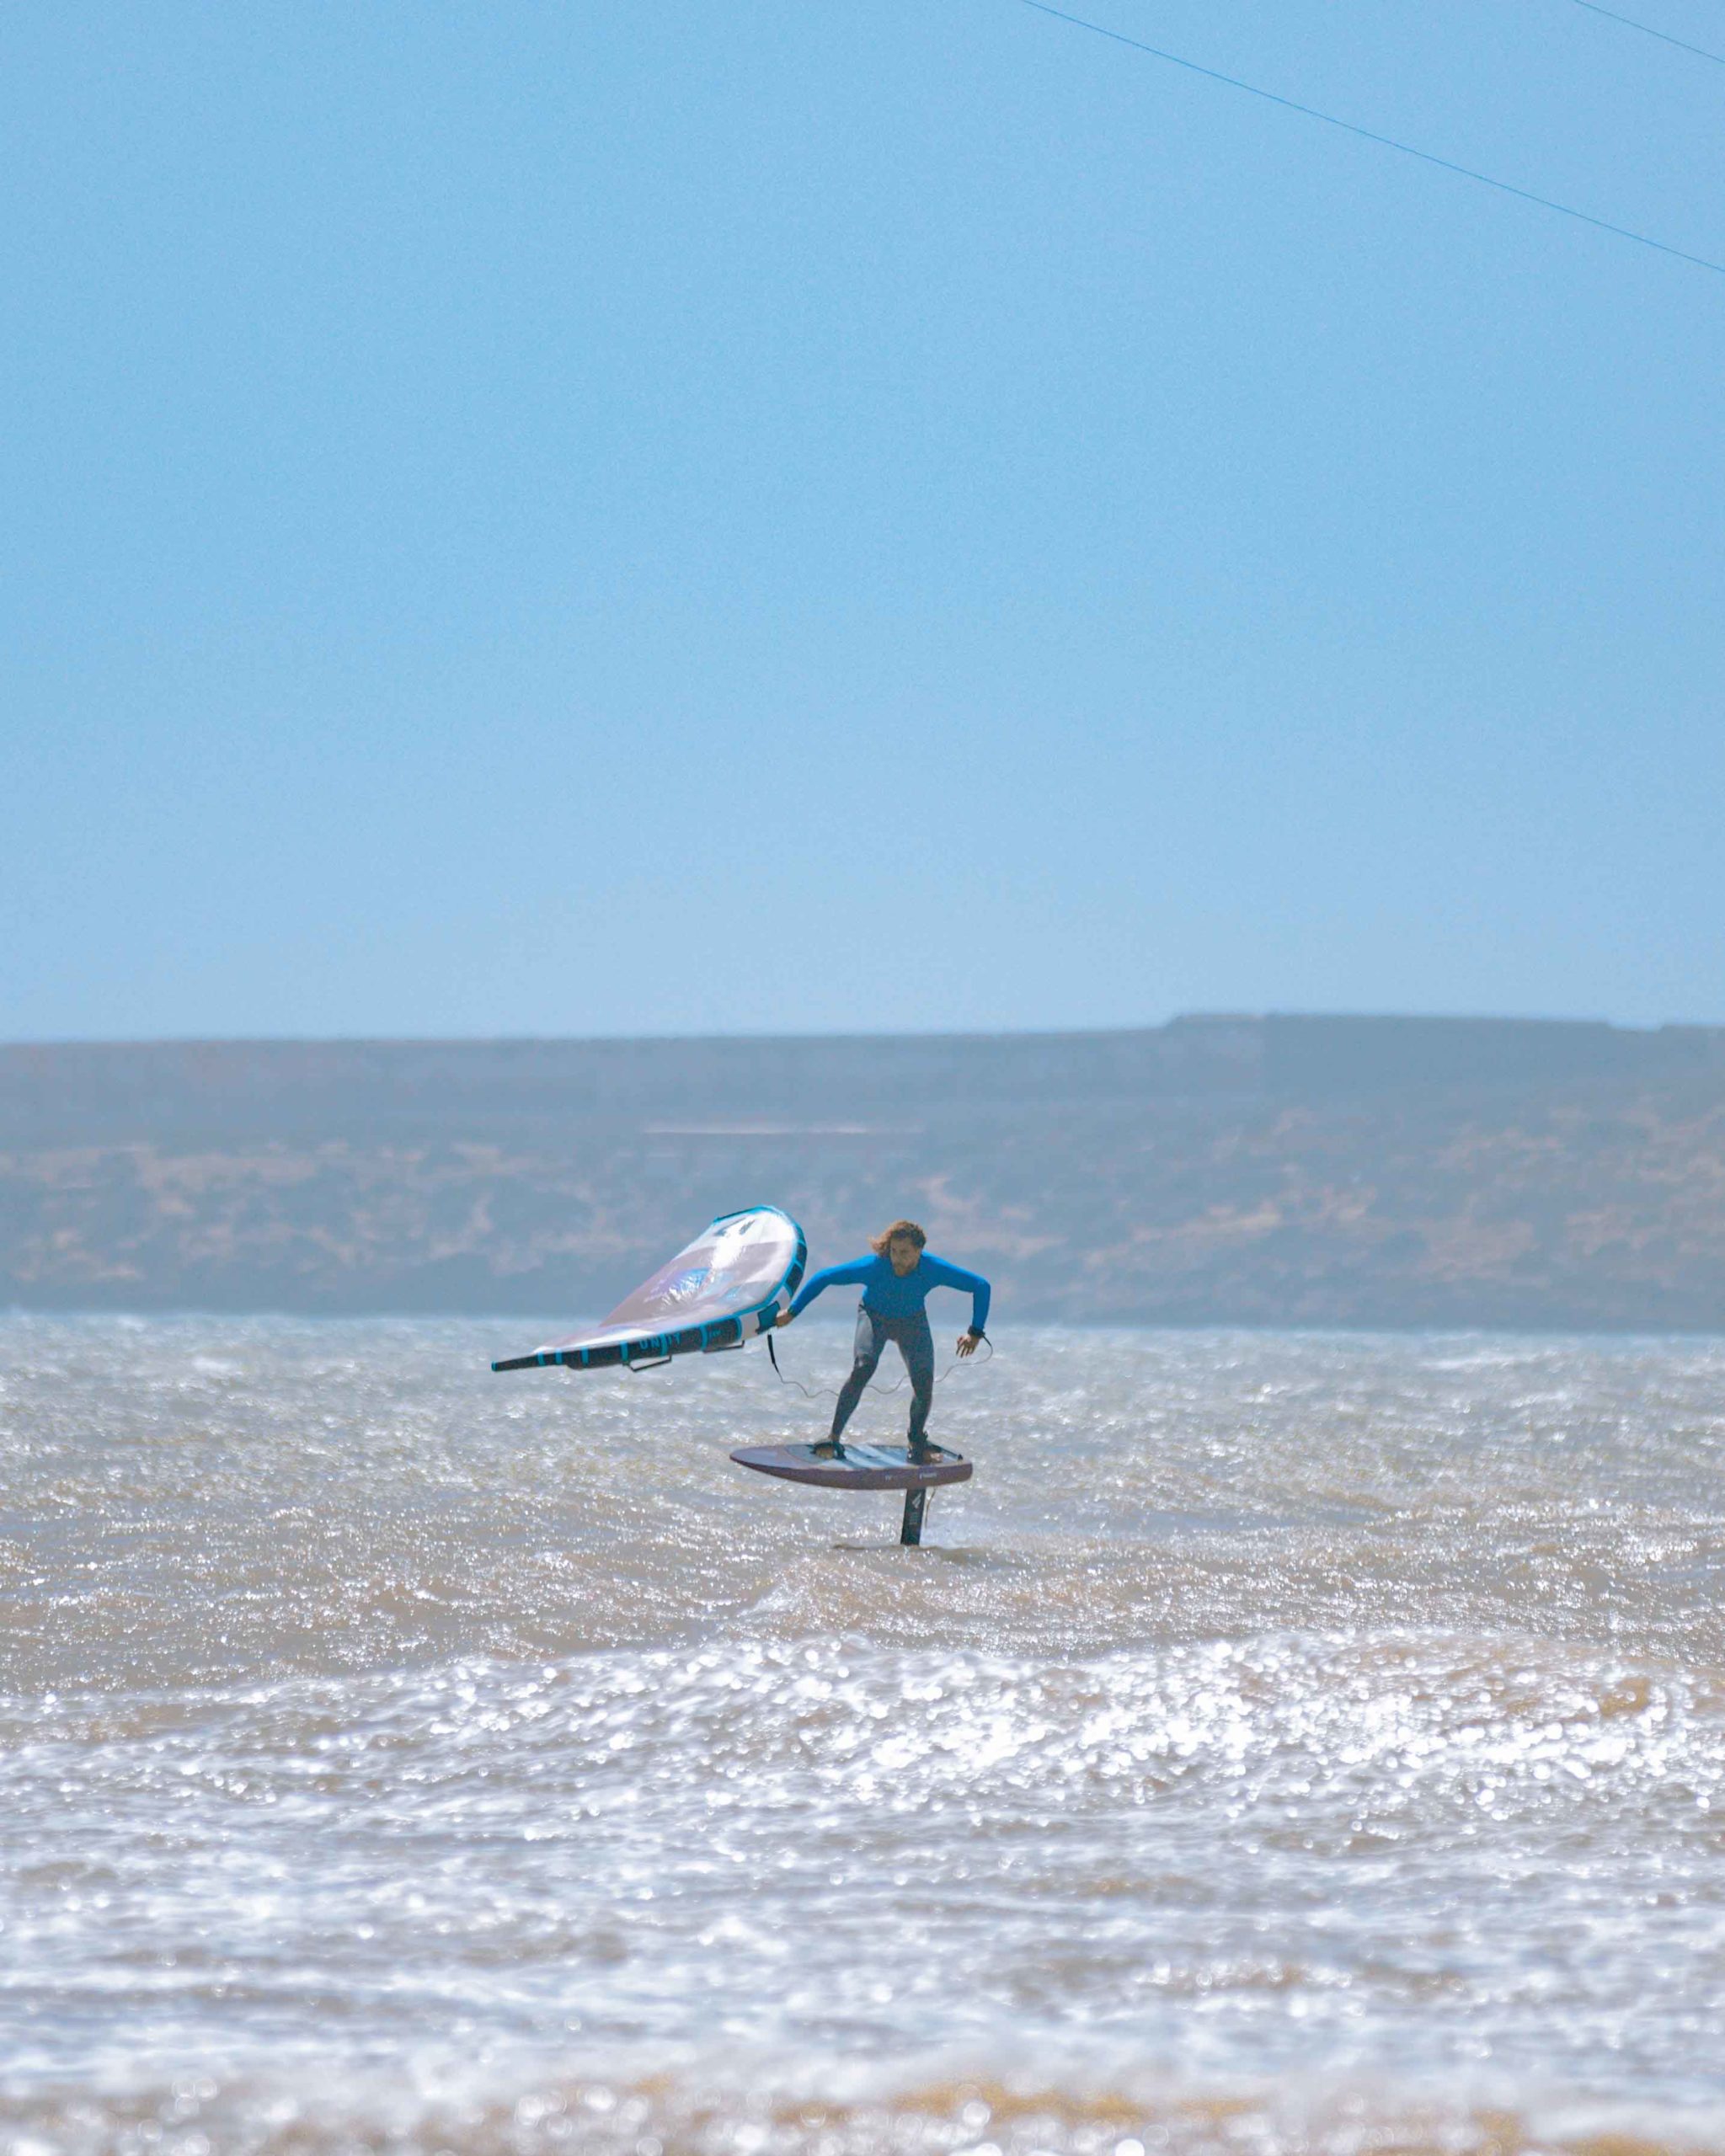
[[1284, 1742]]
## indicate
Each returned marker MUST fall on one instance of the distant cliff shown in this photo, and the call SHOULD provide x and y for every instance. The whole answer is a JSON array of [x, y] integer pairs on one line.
[[1274, 1171]]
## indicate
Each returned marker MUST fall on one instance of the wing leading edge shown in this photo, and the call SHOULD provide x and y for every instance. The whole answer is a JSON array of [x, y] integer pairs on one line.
[[718, 1291]]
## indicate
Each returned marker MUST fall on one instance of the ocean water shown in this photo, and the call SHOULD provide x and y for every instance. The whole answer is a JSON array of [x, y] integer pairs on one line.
[[1285, 1743]]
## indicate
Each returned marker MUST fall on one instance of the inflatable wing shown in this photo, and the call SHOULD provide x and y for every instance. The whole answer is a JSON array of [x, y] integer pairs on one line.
[[719, 1290]]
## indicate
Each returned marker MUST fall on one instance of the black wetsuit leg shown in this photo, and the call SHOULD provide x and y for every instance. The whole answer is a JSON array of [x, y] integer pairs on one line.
[[871, 1339], [917, 1346], [914, 1343]]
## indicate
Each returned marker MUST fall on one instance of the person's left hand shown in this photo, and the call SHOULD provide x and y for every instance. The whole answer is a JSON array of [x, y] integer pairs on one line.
[[967, 1343]]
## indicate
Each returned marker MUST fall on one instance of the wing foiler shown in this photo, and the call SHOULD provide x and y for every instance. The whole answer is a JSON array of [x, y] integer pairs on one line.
[[718, 1291]]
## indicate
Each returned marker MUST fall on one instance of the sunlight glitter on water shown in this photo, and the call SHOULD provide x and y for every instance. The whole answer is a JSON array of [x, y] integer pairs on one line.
[[1290, 1741]]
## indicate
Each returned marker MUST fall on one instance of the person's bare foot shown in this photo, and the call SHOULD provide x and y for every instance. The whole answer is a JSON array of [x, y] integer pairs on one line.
[[828, 1448]]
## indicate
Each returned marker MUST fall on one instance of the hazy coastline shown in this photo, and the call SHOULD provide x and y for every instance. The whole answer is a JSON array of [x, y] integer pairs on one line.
[[1365, 1173]]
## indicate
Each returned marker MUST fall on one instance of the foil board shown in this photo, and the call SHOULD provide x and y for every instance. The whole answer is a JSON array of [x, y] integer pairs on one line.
[[863, 1466]]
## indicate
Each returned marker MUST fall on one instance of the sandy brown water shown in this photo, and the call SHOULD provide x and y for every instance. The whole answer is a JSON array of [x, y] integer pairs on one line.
[[1285, 1741]]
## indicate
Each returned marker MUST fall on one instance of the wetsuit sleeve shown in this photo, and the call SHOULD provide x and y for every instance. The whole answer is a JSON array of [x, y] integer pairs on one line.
[[834, 1276], [971, 1283]]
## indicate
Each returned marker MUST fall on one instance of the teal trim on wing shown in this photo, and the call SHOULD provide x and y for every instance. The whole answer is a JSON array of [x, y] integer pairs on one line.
[[713, 1336]]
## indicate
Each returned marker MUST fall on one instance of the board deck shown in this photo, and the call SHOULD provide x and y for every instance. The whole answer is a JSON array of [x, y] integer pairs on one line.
[[863, 1467]]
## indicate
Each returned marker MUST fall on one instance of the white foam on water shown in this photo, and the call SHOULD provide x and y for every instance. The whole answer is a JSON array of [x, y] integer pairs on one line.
[[1299, 1742]]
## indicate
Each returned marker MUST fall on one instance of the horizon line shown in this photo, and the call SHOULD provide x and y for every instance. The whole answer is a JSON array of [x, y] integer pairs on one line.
[[989, 1033]]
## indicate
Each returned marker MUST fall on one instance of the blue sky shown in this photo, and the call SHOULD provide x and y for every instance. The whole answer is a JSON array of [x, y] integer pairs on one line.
[[793, 516]]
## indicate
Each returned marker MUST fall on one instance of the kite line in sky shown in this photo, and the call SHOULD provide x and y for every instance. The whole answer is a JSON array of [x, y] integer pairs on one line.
[[1368, 135]]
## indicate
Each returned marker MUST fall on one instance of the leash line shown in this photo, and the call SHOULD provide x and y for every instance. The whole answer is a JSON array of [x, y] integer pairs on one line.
[[885, 1392]]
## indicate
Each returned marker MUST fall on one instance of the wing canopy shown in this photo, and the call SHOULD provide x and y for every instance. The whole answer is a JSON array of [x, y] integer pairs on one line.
[[718, 1291]]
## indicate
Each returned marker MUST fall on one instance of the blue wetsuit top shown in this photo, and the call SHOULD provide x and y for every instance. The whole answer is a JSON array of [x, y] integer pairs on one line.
[[888, 1295]]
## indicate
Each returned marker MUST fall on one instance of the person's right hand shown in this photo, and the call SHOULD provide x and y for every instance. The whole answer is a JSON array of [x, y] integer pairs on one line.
[[783, 1318]]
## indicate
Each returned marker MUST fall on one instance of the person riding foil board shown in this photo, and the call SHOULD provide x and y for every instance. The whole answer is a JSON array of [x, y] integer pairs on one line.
[[895, 1283]]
